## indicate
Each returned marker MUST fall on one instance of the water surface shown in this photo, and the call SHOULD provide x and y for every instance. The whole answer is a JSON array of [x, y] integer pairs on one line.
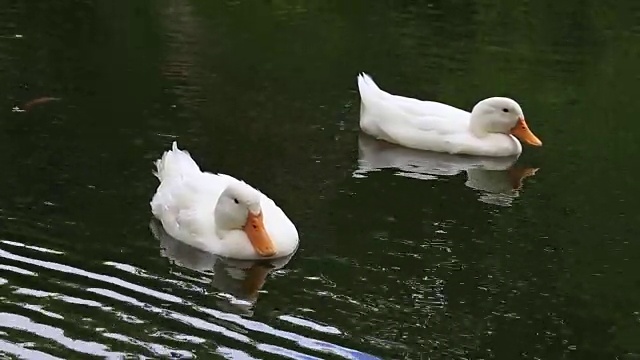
[[403, 254]]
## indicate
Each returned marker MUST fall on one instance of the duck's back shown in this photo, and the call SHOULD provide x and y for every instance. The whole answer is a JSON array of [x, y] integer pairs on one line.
[[426, 125], [185, 204], [186, 195]]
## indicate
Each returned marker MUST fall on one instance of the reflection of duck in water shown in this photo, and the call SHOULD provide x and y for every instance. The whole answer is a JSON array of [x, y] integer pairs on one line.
[[239, 281], [495, 176]]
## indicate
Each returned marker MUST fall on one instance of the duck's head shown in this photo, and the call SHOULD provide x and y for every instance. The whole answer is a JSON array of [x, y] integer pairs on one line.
[[238, 208], [501, 115]]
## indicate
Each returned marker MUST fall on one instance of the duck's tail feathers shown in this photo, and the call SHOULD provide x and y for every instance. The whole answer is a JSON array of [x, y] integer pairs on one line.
[[175, 163], [365, 81], [368, 89]]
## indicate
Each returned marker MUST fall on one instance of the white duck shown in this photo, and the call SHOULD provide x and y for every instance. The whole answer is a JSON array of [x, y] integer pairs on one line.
[[427, 125], [218, 213]]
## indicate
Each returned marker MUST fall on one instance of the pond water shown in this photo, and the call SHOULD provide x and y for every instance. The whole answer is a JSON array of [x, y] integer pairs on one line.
[[403, 254]]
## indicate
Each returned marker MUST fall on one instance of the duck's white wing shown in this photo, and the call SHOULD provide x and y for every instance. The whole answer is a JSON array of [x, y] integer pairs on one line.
[[438, 127], [185, 204], [381, 109], [429, 109], [433, 116]]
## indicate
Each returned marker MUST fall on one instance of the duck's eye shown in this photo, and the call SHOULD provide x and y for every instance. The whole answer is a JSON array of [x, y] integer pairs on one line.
[[505, 110], [236, 201]]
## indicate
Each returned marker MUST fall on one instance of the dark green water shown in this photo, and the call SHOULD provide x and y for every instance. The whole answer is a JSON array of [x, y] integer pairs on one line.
[[402, 254]]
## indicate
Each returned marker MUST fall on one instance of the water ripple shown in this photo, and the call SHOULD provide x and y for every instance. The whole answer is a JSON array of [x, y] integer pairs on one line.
[[24, 353], [22, 323], [188, 321]]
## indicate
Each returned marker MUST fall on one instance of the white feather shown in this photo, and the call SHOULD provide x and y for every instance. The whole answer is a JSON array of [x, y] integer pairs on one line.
[[185, 201], [429, 125]]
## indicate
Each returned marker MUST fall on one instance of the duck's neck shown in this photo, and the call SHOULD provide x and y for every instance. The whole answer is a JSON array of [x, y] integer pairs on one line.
[[221, 227], [221, 233], [477, 126]]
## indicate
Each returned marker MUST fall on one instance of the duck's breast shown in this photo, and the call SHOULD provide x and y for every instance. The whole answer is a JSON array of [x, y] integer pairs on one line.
[[281, 229]]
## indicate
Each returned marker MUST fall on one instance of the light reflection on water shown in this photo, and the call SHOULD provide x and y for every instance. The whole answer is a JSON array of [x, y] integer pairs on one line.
[[127, 302]]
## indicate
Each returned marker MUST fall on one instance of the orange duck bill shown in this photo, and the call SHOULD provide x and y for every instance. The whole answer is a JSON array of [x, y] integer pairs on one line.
[[522, 132], [258, 235]]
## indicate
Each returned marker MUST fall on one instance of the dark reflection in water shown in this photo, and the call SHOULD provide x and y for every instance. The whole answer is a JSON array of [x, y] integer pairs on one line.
[[239, 281], [498, 179]]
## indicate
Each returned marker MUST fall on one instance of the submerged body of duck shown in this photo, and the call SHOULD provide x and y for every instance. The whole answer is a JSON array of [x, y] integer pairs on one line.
[[489, 130]]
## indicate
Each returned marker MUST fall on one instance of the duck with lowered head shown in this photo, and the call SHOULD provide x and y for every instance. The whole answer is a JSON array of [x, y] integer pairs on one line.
[[219, 213], [490, 129]]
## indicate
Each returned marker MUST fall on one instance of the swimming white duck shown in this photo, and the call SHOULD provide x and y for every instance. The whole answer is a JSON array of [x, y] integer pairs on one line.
[[488, 130], [219, 213]]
